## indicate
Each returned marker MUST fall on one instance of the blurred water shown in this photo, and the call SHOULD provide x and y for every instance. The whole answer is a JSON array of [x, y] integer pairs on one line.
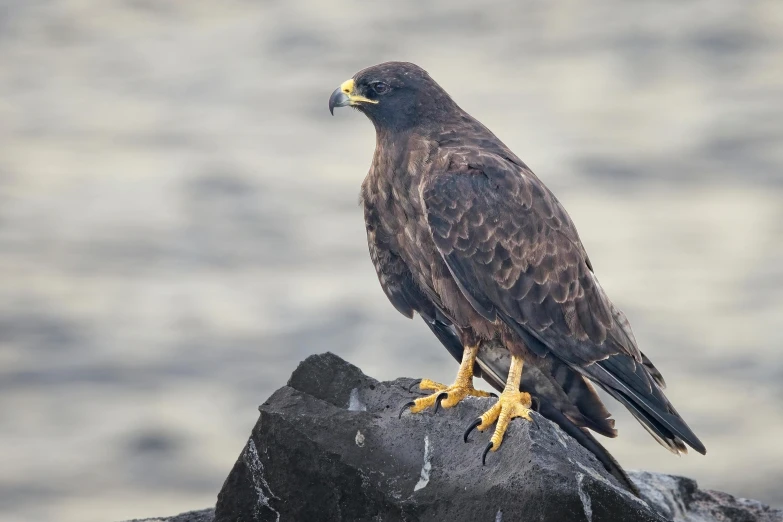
[[179, 227]]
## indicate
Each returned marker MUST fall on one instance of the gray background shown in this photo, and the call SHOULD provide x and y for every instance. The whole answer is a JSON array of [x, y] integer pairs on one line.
[[179, 222]]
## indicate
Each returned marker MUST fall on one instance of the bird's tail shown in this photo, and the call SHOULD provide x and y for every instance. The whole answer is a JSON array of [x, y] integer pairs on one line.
[[637, 388]]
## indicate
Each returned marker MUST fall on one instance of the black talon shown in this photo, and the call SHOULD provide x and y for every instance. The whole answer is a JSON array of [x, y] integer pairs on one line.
[[493, 394], [473, 426], [441, 396], [405, 407], [484, 455], [535, 422], [415, 383]]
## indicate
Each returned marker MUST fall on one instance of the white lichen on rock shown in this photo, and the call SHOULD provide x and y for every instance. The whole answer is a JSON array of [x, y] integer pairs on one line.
[[354, 404], [424, 479], [253, 461], [584, 497]]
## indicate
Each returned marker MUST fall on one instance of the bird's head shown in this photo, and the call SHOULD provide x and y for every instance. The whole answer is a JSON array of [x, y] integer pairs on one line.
[[394, 96]]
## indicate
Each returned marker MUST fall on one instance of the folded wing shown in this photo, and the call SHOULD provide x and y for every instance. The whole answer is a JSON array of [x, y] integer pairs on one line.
[[518, 259]]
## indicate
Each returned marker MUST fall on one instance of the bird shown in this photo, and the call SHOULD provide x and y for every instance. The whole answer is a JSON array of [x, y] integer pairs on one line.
[[464, 234]]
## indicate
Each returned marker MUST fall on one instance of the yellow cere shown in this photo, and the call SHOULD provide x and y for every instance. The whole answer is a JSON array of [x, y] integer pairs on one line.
[[347, 87]]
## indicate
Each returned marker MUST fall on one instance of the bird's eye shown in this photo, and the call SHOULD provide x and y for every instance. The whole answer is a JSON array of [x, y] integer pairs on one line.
[[380, 87]]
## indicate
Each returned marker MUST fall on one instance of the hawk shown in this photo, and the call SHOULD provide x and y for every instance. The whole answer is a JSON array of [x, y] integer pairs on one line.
[[462, 233]]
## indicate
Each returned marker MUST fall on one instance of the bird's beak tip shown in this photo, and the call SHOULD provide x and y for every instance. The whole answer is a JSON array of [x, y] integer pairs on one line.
[[338, 99]]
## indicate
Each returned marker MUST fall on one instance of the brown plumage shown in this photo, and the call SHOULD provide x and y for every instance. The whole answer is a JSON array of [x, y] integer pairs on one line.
[[463, 233]]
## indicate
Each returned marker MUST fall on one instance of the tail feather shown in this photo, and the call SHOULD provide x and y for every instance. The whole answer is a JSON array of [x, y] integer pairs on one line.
[[663, 436], [629, 383], [654, 373]]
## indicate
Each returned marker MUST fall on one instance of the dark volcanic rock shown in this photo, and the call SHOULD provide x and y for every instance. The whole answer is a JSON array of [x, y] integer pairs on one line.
[[680, 499], [329, 447], [204, 515]]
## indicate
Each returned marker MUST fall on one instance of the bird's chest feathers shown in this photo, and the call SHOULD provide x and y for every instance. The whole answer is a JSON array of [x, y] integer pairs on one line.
[[392, 190]]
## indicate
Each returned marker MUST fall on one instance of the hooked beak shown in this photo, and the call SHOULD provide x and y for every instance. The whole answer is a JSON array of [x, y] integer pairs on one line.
[[345, 95]]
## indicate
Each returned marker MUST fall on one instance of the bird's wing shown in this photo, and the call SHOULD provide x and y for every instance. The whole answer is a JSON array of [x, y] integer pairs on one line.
[[516, 256]]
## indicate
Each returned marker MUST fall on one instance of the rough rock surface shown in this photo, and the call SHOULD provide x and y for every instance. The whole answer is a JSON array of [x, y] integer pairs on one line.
[[680, 499], [329, 447], [204, 515]]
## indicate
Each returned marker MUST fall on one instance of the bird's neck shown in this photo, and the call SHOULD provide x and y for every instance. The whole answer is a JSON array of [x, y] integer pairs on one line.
[[396, 151], [398, 163]]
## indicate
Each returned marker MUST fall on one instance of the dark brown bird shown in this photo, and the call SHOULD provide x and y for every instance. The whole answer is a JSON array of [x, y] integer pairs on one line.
[[463, 233]]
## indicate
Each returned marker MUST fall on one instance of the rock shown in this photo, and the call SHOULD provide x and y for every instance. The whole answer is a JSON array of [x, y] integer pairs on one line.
[[680, 499], [204, 515], [329, 447]]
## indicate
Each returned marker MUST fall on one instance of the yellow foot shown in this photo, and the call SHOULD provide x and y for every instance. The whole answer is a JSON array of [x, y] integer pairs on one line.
[[446, 396], [510, 405]]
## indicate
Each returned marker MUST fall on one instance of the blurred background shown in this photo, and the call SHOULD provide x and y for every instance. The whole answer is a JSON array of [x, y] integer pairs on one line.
[[179, 223]]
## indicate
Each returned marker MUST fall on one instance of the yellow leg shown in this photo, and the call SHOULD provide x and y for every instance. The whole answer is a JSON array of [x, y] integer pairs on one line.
[[462, 387], [512, 403]]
